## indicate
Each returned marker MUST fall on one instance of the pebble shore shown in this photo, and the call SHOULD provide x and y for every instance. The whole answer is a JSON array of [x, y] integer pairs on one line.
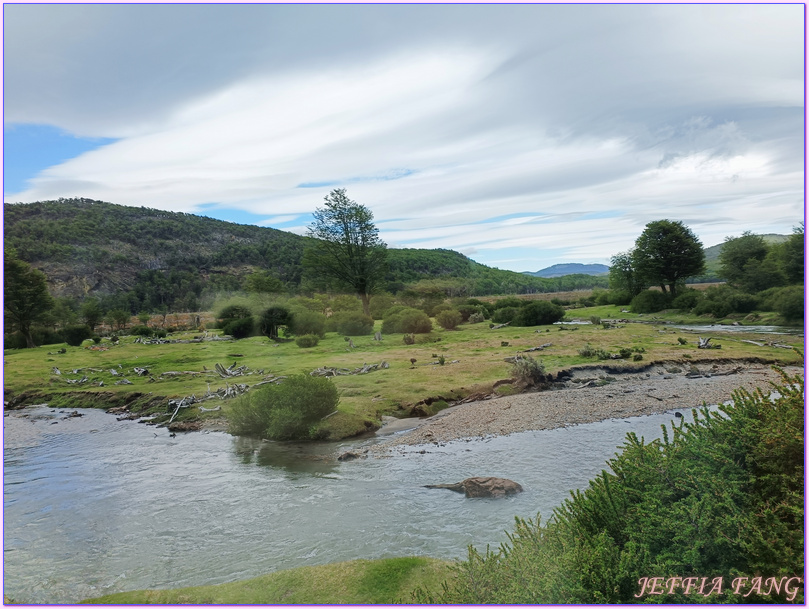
[[590, 395]]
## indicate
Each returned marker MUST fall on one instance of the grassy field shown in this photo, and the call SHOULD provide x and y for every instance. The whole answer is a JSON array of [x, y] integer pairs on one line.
[[356, 582], [473, 355]]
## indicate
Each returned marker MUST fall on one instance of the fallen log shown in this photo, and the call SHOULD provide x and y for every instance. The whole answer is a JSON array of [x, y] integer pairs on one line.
[[540, 348]]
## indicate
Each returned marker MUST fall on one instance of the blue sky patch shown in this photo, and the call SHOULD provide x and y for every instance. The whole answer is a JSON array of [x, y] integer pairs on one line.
[[29, 149]]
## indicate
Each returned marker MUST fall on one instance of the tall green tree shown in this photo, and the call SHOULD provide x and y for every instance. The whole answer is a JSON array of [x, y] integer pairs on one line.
[[623, 275], [92, 313], [666, 253], [793, 254], [25, 295], [347, 251]]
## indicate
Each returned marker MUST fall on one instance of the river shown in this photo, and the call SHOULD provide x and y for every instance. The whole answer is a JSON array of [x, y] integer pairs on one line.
[[93, 505]]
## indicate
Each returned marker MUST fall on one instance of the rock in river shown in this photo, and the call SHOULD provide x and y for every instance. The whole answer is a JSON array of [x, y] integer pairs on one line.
[[482, 487]]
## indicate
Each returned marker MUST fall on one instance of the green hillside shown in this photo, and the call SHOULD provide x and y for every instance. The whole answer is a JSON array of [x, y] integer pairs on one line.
[[149, 258]]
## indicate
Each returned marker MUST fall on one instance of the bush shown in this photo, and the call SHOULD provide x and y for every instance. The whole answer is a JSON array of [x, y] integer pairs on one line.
[[407, 321], [467, 310], [287, 411], [239, 328], [449, 320], [687, 300], [352, 323], [510, 302], [76, 335], [649, 301], [539, 313], [159, 333], [379, 305], [308, 322], [721, 301], [307, 340], [476, 318], [790, 304], [505, 315], [234, 312], [528, 370], [141, 331]]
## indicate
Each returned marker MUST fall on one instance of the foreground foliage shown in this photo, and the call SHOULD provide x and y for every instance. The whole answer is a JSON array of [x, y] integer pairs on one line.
[[721, 497]]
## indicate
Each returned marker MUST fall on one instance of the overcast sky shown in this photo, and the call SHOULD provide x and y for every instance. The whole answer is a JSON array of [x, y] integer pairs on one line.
[[521, 136]]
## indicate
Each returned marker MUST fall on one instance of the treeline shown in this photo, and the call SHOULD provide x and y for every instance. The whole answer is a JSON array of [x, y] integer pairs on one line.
[[759, 276], [712, 513]]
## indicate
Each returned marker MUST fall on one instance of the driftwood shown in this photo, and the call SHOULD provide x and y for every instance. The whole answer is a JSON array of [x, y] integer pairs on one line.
[[231, 370], [498, 326], [364, 369], [203, 409], [540, 348], [124, 382], [704, 343]]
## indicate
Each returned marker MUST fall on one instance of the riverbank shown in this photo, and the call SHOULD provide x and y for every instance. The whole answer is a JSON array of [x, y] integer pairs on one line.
[[590, 395]]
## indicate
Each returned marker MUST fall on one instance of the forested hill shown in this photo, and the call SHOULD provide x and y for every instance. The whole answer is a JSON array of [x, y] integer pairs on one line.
[[161, 258]]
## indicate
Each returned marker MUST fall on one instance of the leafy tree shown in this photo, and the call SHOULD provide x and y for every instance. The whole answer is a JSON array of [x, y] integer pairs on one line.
[[348, 250], [748, 263], [539, 313], [262, 282], [117, 319], [623, 275], [25, 295], [793, 254], [272, 319], [666, 253], [91, 313]]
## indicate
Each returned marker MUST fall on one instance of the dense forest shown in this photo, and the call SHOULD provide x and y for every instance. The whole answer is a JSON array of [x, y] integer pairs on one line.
[[139, 259]]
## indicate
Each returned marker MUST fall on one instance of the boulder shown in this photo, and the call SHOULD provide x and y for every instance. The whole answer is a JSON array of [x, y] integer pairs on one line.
[[482, 487]]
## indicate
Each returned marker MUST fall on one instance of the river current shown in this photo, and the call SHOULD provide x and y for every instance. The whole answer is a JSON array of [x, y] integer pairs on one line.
[[93, 505]]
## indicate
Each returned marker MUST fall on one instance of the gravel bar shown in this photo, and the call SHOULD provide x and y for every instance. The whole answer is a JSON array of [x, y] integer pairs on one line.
[[591, 395]]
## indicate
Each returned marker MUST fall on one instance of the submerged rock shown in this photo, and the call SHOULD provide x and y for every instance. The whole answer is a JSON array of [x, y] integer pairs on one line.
[[482, 487]]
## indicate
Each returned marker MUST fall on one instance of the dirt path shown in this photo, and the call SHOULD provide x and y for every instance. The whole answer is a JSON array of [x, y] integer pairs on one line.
[[591, 395]]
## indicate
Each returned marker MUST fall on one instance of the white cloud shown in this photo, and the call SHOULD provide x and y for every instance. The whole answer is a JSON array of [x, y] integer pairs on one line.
[[562, 129]]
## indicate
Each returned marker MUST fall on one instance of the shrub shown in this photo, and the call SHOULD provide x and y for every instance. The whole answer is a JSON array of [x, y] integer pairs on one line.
[[308, 322], [649, 301], [307, 340], [449, 320], [509, 302], [687, 300], [287, 411], [505, 315], [538, 313], [141, 331], [352, 323], [721, 301], [790, 303], [476, 318], [467, 310], [76, 335], [528, 370], [159, 333], [379, 305], [239, 328], [407, 321], [234, 312], [595, 320], [96, 338]]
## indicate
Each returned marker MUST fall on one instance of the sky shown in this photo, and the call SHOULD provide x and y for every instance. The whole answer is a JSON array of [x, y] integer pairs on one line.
[[519, 135]]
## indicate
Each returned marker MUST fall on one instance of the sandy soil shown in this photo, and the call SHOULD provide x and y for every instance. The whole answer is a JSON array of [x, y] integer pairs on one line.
[[591, 395]]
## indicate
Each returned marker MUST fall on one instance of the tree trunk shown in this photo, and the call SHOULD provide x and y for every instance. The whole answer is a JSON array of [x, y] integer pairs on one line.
[[366, 303]]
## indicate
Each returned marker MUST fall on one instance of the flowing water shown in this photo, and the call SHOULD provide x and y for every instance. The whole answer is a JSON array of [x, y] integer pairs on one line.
[[93, 505]]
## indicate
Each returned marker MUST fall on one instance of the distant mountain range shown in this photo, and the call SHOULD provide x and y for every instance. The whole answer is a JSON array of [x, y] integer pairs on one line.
[[571, 268]]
